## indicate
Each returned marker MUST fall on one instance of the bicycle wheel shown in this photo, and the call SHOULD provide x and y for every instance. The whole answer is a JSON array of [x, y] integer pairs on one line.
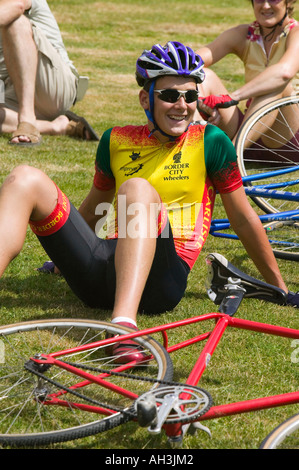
[[29, 413], [284, 436], [262, 146], [284, 238]]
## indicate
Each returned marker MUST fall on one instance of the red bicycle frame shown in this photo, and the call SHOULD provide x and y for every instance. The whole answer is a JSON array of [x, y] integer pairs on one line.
[[213, 338]]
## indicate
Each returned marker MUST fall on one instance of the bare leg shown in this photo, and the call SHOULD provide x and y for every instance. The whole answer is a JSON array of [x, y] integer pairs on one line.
[[20, 56], [9, 121], [263, 129], [134, 254], [27, 193]]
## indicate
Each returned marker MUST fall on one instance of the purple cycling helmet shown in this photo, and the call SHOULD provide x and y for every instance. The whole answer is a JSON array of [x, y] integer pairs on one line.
[[172, 59]]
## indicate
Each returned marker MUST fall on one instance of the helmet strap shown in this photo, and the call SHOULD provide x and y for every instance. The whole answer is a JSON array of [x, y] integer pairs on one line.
[[150, 115], [150, 112]]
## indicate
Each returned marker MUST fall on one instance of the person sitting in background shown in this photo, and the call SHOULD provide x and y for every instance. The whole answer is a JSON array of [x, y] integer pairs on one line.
[[39, 81], [269, 49]]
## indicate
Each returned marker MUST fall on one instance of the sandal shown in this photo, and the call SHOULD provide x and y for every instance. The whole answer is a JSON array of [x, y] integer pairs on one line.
[[79, 127], [28, 130]]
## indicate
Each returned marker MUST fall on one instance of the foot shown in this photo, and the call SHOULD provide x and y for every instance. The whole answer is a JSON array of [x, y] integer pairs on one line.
[[71, 125], [79, 127], [48, 268], [25, 134], [127, 351]]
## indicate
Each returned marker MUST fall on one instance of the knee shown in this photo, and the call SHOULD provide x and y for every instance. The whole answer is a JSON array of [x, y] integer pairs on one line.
[[138, 190], [210, 74], [24, 176], [213, 83], [20, 25], [133, 184]]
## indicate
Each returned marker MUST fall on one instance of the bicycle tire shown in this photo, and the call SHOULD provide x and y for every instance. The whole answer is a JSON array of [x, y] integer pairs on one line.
[[278, 437], [283, 156], [283, 236], [21, 414]]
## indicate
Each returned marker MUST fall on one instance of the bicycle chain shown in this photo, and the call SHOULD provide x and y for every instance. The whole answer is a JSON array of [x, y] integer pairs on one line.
[[103, 371], [126, 375], [77, 394], [148, 379]]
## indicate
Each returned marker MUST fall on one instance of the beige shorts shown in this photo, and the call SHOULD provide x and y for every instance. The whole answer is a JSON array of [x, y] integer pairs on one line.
[[56, 83]]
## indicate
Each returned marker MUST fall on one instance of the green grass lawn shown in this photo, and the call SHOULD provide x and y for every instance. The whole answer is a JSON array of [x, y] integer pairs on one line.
[[104, 39]]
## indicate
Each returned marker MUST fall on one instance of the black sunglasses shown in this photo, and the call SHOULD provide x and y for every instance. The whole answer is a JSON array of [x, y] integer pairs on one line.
[[170, 95]]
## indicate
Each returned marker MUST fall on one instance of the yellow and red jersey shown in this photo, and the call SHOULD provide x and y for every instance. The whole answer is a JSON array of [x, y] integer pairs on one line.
[[186, 173]]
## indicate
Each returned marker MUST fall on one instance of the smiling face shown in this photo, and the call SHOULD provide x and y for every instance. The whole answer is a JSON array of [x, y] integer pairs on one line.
[[172, 118], [269, 14]]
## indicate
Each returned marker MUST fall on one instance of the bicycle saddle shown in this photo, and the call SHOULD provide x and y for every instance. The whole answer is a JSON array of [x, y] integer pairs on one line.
[[222, 275]]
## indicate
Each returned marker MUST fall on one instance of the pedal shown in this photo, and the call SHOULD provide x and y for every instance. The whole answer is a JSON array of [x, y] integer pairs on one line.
[[146, 411], [149, 414], [220, 271], [169, 401], [177, 403]]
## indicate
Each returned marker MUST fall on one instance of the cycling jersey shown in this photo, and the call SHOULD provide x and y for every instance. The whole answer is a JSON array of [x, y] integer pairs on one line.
[[186, 173]]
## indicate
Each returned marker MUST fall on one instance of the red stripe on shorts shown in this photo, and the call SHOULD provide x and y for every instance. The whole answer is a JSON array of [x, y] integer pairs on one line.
[[55, 220]]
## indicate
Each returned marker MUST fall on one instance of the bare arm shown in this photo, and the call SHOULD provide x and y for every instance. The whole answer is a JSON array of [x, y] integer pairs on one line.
[[276, 77], [10, 10], [249, 229], [90, 203], [272, 80], [231, 41]]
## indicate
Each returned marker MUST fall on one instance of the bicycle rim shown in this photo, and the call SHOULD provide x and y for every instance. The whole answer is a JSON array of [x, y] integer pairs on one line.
[[255, 156], [284, 239], [284, 436], [27, 420]]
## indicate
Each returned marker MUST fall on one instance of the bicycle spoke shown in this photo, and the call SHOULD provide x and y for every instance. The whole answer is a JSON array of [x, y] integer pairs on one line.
[[44, 404], [263, 146]]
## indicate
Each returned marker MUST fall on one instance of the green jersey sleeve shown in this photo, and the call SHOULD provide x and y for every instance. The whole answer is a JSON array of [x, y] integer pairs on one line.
[[221, 160], [103, 154]]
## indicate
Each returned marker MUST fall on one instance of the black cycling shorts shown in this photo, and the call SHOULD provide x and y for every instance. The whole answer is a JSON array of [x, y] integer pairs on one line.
[[87, 264]]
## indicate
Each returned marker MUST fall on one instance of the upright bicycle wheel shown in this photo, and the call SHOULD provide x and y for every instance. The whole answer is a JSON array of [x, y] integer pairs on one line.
[[269, 140], [284, 436], [56, 405]]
